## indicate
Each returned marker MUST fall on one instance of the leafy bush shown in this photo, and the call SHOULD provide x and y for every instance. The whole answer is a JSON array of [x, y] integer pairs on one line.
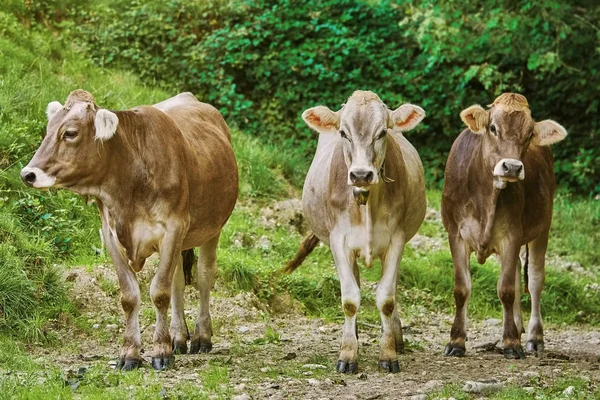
[[262, 62]]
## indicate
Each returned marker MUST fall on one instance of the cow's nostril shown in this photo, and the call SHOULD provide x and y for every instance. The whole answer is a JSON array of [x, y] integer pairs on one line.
[[353, 177], [519, 169], [505, 168], [30, 177], [369, 176]]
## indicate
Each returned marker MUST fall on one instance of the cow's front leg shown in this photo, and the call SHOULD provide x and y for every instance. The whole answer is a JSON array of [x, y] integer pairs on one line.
[[131, 299], [179, 330], [207, 268], [537, 276], [160, 293], [391, 335], [507, 294], [462, 291], [344, 262]]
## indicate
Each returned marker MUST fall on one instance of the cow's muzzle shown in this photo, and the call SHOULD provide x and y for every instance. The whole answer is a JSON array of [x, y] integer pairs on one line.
[[37, 178], [508, 170]]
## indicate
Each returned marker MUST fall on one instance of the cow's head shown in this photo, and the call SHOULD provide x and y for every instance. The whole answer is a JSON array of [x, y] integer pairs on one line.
[[70, 153], [508, 130], [363, 123]]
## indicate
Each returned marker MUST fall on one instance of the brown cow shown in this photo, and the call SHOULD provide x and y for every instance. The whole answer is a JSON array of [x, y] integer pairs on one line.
[[364, 196], [498, 194], [165, 180]]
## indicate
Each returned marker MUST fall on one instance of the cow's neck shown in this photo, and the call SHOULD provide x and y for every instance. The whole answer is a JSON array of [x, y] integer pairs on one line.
[[486, 195]]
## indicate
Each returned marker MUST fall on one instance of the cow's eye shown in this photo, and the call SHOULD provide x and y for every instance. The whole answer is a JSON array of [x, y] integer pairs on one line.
[[382, 134], [493, 129], [70, 135], [343, 134]]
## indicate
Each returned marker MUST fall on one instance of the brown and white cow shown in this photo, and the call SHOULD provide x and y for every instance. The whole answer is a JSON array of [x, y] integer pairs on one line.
[[364, 196], [165, 180], [498, 194]]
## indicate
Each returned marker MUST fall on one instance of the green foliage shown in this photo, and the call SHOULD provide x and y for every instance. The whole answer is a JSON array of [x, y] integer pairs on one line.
[[263, 62]]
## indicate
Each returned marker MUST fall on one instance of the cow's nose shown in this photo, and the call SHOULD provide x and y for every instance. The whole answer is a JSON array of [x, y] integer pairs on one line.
[[509, 169], [28, 177], [361, 177]]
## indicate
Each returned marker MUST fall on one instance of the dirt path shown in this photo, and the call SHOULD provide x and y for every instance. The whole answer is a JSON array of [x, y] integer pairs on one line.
[[279, 356]]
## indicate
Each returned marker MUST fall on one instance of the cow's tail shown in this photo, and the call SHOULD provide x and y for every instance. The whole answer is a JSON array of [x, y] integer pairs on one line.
[[188, 264], [526, 268], [306, 247]]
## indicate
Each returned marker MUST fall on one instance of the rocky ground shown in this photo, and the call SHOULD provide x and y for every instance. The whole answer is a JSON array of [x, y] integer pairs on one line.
[[275, 352]]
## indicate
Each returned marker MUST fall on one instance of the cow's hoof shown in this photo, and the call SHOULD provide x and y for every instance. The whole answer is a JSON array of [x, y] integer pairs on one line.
[[179, 348], [200, 347], [514, 353], [344, 367], [389, 366], [162, 363], [453, 350], [128, 364], [534, 346]]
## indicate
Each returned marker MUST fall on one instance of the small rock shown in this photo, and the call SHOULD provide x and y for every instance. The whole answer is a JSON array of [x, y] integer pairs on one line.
[[96, 326], [263, 243], [265, 369], [419, 397], [112, 327], [314, 366], [242, 396], [314, 382], [479, 387], [531, 374], [492, 322], [243, 329], [529, 389], [432, 385], [570, 391], [362, 377], [289, 356]]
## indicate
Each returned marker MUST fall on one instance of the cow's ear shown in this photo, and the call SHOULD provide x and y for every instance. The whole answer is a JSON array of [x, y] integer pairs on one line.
[[322, 119], [406, 117], [106, 124], [548, 132], [476, 118], [52, 109]]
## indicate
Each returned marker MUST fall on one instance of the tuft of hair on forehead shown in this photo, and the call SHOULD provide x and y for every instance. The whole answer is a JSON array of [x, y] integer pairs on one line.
[[511, 102], [79, 95], [362, 97]]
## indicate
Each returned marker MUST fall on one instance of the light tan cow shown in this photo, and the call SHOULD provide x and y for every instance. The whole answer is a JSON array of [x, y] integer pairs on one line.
[[165, 180], [364, 196], [498, 194]]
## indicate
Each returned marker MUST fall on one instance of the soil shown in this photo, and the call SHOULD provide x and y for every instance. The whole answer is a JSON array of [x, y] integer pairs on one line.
[[298, 361]]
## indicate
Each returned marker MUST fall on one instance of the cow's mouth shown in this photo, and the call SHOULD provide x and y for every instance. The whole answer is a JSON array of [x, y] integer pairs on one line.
[[500, 182], [361, 195]]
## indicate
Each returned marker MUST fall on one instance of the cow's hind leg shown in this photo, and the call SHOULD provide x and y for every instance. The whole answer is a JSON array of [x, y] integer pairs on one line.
[[386, 303], [179, 330], [537, 276], [160, 293], [207, 268], [462, 291], [507, 293], [344, 261]]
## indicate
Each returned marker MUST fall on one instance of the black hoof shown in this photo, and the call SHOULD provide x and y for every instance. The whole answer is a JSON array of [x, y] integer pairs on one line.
[[344, 367], [179, 348], [128, 364], [515, 353], [389, 366], [453, 350], [200, 347], [162, 363], [534, 346]]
